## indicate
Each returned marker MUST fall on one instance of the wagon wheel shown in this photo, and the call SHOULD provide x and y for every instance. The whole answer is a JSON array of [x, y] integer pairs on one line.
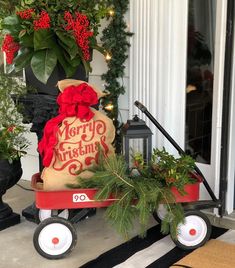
[[42, 214], [195, 232], [160, 213], [54, 238]]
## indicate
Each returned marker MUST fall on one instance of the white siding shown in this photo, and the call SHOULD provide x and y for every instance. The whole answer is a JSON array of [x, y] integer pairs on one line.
[[158, 63]]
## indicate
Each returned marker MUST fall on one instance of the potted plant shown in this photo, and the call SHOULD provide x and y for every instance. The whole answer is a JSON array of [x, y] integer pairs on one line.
[[13, 145], [140, 190], [48, 35]]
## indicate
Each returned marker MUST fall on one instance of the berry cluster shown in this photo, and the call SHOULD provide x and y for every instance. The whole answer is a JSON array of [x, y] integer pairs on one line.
[[11, 128], [80, 28], [43, 22], [25, 14], [10, 47]]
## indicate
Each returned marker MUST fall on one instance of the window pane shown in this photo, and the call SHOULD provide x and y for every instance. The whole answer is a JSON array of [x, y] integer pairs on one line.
[[199, 91]]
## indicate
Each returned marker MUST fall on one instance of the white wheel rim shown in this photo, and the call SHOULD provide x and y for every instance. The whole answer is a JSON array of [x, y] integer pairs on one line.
[[46, 213], [193, 232], [55, 239], [161, 211]]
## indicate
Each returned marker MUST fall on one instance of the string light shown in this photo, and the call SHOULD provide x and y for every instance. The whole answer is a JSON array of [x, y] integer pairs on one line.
[[108, 57], [109, 107], [111, 12], [115, 59]]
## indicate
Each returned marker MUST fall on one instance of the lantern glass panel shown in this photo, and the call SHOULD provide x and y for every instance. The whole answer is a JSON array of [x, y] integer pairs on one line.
[[137, 145], [137, 137]]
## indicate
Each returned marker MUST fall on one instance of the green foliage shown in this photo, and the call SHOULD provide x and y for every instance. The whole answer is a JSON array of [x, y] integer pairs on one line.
[[12, 141], [115, 41], [167, 169], [7, 7], [138, 196]]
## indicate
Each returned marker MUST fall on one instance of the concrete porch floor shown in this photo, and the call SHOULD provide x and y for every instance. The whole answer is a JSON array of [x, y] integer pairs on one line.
[[95, 236]]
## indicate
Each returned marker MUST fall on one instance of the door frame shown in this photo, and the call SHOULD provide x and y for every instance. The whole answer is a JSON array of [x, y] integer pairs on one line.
[[227, 164], [212, 171]]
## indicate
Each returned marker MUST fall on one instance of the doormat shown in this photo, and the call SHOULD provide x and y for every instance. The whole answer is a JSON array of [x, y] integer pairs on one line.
[[154, 251], [214, 254]]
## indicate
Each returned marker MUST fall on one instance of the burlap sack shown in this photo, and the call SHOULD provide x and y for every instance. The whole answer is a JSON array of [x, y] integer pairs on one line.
[[78, 142]]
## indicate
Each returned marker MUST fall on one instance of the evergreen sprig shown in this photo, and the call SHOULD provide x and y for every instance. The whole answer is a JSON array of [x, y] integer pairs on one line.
[[13, 143], [137, 197]]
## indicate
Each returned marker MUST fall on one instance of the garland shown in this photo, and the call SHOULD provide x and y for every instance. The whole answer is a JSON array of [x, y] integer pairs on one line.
[[115, 42]]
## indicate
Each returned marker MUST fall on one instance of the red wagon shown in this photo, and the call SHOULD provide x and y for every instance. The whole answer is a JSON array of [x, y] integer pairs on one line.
[[56, 236]]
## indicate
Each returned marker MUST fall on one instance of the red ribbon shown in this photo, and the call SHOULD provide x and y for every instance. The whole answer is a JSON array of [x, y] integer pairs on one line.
[[73, 101]]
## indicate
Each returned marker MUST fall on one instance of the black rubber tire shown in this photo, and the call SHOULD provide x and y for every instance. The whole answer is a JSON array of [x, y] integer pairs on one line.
[[44, 224], [156, 218], [204, 238], [157, 215]]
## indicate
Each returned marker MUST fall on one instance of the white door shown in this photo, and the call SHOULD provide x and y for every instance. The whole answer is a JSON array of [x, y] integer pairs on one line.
[[205, 71]]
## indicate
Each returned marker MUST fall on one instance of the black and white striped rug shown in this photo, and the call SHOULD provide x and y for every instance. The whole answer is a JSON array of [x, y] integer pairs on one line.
[[154, 251]]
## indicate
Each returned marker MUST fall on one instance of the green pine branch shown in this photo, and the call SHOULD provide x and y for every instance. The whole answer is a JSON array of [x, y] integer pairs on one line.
[[137, 197]]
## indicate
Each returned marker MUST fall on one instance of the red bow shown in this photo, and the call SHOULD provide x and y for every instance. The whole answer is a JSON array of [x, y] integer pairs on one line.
[[73, 101]]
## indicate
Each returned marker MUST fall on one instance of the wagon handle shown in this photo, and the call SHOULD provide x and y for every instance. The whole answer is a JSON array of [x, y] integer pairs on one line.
[[140, 106], [155, 122], [175, 144]]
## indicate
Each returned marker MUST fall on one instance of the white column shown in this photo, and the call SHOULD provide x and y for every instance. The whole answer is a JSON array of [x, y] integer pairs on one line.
[[158, 64]]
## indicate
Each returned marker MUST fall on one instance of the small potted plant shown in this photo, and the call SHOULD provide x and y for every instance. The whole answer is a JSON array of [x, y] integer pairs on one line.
[[13, 145]]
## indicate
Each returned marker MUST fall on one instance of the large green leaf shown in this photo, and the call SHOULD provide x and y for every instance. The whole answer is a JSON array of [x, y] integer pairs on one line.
[[63, 60], [99, 48], [43, 39], [87, 67], [23, 58], [43, 63], [74, 62], [68, 42], [70, 67], [26, 40], [11, 25]]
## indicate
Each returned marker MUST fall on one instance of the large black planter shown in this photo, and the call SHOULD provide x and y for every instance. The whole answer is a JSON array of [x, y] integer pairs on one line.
[[9, 176], [50, 88]]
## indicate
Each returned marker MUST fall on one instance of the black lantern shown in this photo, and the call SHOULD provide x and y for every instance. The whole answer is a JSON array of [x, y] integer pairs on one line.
[[137, 137]]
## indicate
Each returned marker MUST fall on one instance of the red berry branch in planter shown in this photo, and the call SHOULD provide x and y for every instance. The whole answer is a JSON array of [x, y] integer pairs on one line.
[[10, 47], [80, 29], [43, 22]]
